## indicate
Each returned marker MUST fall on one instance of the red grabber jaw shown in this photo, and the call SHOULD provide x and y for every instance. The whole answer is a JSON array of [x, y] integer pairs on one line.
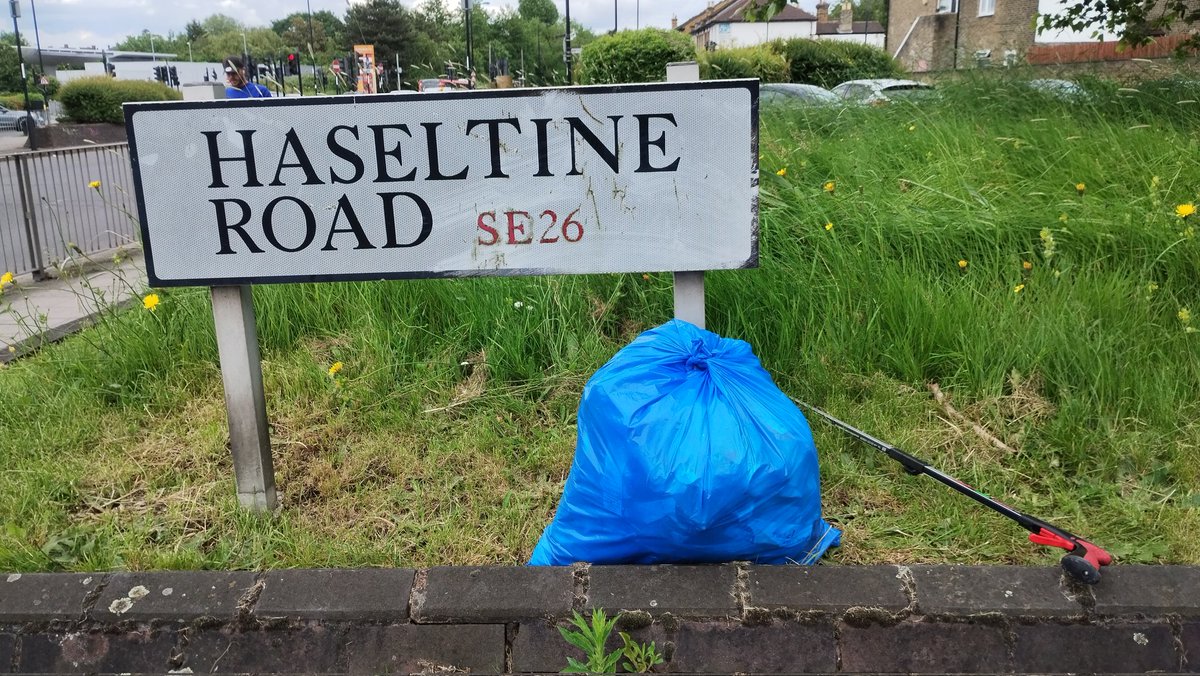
[[1083, 559]]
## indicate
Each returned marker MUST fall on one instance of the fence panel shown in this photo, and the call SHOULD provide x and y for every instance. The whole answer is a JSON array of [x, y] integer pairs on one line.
[[73, 218], [15, 251]]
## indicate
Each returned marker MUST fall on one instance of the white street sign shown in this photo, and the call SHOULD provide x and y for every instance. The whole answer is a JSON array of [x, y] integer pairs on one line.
[[630, 178]]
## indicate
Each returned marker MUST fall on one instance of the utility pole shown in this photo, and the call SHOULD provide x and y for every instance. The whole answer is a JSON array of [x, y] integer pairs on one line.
[[311, 54], [567, 47], [470, 61], [14, 6]]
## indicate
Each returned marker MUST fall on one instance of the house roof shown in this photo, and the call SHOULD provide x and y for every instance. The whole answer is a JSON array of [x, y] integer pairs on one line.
[[857, 27], [696, 22], [733, 11]]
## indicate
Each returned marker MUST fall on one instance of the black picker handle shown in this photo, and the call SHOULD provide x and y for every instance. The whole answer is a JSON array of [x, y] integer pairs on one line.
[[1083, 560]]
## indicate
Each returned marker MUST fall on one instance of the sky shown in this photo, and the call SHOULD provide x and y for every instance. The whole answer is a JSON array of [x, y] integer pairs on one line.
[[102, 23]]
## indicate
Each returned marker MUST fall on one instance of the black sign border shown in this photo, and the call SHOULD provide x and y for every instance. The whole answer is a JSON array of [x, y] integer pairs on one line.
[[130, 109]]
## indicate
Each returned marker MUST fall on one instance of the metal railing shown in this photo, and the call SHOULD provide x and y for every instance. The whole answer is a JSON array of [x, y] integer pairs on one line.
[[50, 212]]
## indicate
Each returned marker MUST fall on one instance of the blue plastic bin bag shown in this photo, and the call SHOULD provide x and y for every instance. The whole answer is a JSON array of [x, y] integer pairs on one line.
[[687, 452]]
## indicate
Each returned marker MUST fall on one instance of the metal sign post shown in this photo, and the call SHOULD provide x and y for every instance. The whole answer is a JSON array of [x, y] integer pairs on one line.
[[689, 286], [580, 180], [245, 404]]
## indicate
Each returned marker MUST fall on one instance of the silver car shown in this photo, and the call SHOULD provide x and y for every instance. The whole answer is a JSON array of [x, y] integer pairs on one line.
[[791, 92], [882, 90], [13, 119]]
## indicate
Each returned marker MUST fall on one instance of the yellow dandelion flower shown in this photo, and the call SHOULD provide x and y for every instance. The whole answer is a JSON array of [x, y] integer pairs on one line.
[[1019, 288], [1080, 188], [828, 226], [94, 185], [1026, 265], [1185, 315], [782, 172], [150, 301], [334, 368], [962, 263], [829, 187], [6, 279], [1185, 210]]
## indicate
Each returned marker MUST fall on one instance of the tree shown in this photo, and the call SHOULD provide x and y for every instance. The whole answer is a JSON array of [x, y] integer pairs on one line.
[[1136, 22], [194, 30], [327, 30], [541, 11], [863, 10], [386, 24], [221, 23]]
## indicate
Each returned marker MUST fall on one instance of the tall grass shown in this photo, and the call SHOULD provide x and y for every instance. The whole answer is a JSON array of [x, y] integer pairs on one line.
[[447, 433]]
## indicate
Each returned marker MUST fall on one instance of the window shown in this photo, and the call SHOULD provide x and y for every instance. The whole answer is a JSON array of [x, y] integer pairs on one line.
[[944, 6], [987, 7]]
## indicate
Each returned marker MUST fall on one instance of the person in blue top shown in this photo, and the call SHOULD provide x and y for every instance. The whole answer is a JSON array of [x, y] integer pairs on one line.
[[238, 86]]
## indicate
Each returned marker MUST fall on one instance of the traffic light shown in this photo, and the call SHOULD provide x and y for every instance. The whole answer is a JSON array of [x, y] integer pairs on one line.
[[293, 63], [160, 74], [174, 77]]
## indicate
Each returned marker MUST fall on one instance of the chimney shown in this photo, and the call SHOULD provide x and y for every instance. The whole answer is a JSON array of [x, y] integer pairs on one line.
[[846, 18], [674, 22], [822, 11]]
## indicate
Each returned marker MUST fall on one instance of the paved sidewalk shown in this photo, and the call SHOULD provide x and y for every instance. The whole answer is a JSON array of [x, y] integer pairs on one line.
[[67, 304]]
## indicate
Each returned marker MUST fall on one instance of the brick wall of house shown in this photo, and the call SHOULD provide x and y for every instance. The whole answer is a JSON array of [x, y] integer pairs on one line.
[[930, 45], [901, 14], [1010, 28]]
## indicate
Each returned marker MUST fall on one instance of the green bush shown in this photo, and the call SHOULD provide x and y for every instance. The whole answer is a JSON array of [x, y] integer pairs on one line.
[[17, 101], [99, 99], [828, 63], [633, 56], [761, 62]]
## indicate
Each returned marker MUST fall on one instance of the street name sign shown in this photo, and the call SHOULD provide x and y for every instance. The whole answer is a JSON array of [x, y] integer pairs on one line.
[[628, 178]]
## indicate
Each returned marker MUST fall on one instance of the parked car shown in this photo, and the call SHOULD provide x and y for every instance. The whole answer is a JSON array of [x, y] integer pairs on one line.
[[13, 119], [441, 84], [882, 90], [785, 93], [1062, 89]]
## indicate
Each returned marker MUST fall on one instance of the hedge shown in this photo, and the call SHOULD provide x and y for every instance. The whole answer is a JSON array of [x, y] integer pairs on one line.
[[99, 99], [827, 63], [633, 56], [17, 101], [758, 62]]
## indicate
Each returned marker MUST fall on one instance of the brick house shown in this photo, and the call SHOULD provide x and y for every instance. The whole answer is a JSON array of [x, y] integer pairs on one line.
[[926, 35], [723, 24]]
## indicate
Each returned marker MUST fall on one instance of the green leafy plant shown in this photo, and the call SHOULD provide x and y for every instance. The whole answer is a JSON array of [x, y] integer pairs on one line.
[[633, 56], [591, 639], [99, 99], [640, 658]]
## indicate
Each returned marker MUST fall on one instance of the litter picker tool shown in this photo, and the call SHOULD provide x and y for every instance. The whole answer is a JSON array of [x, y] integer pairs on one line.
[[1083, 560]]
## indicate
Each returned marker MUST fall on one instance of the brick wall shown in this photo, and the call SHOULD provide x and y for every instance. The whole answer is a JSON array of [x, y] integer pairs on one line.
[[705, 619], [1010, 27], [932, 45]]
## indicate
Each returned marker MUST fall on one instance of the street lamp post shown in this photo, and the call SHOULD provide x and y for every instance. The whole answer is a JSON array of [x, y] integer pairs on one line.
[[190, 51], [470, 60], [37, 36], [153, 54], [14, 7]]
